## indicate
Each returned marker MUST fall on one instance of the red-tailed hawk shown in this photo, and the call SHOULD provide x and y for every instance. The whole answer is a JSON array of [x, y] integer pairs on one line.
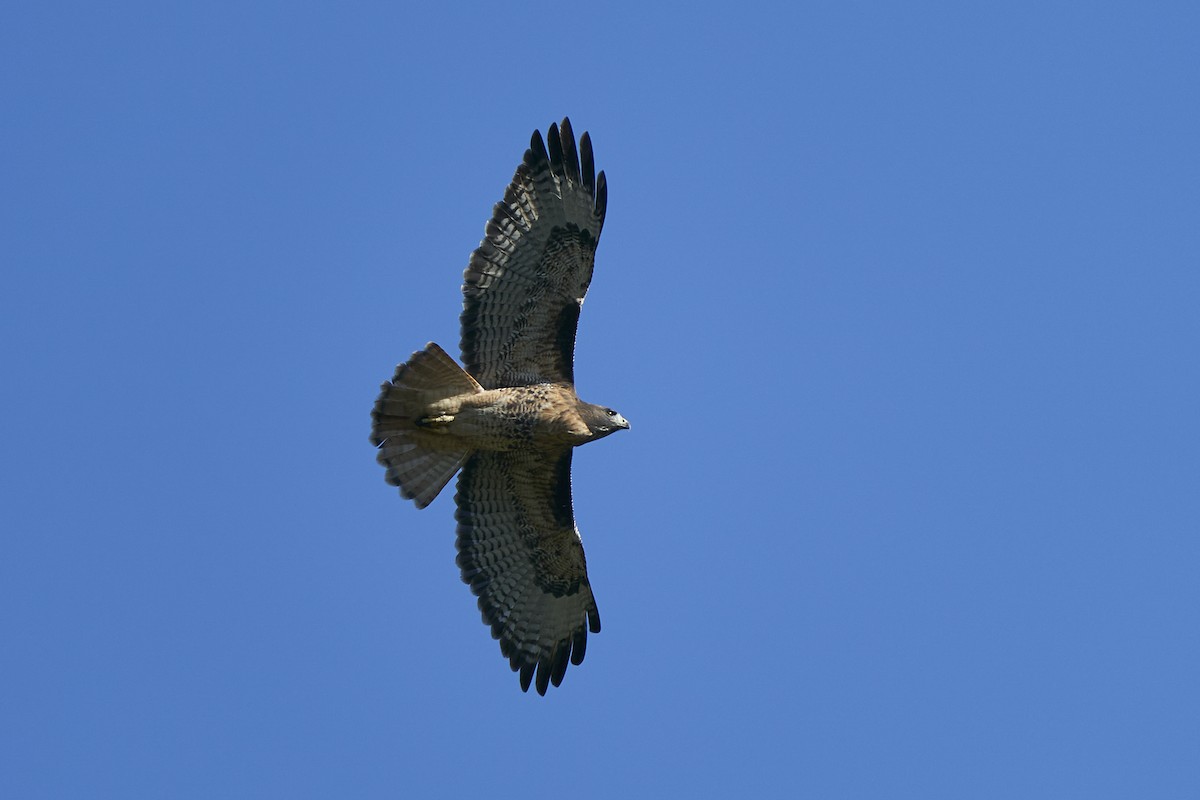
[[511, 418]]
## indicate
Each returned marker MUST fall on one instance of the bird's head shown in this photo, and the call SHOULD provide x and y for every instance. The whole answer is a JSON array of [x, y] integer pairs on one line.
[[602, 420]]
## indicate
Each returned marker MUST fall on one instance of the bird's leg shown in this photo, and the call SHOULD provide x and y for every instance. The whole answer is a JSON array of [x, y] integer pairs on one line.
[[436, 424]]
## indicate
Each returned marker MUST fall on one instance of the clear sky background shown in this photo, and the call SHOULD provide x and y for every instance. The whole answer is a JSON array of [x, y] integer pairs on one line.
[[901, 300]]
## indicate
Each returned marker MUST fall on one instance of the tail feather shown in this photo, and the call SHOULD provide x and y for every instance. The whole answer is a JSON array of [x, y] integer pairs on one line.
[[420, 461], [420, 474]]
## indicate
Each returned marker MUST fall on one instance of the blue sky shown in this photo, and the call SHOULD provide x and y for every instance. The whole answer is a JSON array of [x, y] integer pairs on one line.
[[901, 301]]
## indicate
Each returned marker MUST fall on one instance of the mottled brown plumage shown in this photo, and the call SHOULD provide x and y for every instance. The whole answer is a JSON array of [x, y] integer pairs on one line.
[[511, 419]]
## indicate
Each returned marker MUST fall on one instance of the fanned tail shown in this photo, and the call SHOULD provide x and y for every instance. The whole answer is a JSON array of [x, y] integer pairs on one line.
[[418, 459]]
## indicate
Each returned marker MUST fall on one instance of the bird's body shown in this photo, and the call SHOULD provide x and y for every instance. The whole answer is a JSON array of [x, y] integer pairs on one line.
[[542, 415], [511, 419]]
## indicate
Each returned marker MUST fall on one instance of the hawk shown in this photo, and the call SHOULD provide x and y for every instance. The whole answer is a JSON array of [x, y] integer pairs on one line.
[[510, 420]]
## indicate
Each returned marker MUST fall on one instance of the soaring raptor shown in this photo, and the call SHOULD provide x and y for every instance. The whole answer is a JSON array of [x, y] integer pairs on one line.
[[510, 420]]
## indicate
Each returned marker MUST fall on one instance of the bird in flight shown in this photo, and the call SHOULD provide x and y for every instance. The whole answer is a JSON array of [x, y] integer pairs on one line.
[[509, 421]]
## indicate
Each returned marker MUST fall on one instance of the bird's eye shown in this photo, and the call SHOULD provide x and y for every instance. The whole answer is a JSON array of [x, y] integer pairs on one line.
[[611, 413]]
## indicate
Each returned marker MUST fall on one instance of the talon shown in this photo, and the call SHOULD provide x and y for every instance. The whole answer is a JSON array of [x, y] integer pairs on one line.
[[438, 423]]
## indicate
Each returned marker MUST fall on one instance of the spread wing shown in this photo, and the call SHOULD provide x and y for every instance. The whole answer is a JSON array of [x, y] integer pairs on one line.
[[520, 551], [526, 281]]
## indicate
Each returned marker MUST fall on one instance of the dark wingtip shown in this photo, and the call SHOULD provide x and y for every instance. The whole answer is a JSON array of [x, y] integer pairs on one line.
[[587, 164], [562, 657], [554, 143], [579, 647], [601, 194], [570, 154], [527, 677], [537, 149]]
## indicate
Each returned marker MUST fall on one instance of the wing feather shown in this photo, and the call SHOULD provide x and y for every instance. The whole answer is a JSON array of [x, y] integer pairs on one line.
[[588, 166], [524, 285], [520, 552]]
